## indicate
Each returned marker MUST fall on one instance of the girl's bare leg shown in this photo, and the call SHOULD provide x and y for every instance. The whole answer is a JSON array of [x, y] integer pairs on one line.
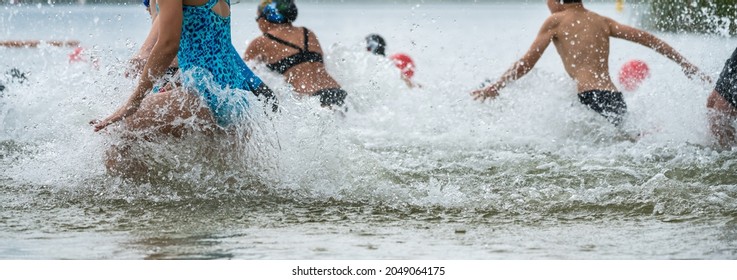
[[169, 114]]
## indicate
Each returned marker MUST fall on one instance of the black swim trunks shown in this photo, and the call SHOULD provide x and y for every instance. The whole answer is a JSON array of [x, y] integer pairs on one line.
[[331, 96], [170, 75], [609, 104], [171, 70], [727, 83]]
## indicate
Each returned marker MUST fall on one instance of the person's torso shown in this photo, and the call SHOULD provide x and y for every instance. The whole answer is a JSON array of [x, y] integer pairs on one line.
[[298, 57], [582, 41], [206, 44]]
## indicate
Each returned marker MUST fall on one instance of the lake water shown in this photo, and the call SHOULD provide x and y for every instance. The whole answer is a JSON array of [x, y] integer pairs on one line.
[[407, 174]]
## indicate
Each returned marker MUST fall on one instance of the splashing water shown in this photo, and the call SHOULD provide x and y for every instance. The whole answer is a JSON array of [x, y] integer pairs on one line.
[[403, 164]]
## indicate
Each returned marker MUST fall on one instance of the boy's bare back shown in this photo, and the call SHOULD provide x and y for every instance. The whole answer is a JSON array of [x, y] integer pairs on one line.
[[581, 38]]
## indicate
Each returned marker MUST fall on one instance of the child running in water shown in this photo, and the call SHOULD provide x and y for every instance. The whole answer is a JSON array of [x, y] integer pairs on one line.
[[582, 40], [198, 32]]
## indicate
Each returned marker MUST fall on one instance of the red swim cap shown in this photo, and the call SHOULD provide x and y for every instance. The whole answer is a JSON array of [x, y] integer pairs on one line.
[[404, 63], [633, 73]]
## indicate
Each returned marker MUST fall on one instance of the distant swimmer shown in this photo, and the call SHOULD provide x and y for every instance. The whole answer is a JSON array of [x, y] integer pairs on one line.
[[581, 38], [294, 52], [14, 75], [722, 104], [377, 45], [37, 43]]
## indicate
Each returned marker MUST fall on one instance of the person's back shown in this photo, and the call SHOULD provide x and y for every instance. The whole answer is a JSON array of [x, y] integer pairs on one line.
[[582, 40], [305, 77], [294, 52]]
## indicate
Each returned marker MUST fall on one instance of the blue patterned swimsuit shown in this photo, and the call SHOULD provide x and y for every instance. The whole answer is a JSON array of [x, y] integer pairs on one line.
[[211, 65]]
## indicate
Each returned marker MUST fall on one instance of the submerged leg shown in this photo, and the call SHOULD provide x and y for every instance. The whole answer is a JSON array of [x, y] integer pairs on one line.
[[171, 113], [721, 115], [119, 162]]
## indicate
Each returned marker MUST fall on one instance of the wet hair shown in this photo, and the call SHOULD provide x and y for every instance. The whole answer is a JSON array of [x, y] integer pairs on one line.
[[570, 1], [376, 44], [278, 11]]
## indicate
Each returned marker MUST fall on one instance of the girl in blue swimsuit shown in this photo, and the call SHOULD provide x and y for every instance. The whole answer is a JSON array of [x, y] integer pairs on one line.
[[215, 79]]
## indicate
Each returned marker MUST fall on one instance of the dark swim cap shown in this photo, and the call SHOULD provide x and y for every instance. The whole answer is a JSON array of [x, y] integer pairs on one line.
[[16, 75], [376, 44], [278, 11]]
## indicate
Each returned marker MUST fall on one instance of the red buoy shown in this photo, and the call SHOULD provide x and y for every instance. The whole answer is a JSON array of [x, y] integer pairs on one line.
[[633, 73]]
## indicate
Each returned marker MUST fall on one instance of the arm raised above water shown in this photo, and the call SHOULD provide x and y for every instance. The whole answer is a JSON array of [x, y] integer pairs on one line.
[[644, 38], [524, 65]]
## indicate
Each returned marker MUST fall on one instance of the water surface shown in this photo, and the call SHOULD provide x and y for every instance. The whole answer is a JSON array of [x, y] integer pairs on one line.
[[408, 174]]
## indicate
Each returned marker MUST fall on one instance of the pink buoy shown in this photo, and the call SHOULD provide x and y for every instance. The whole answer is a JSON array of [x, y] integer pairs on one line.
[[76, 55]]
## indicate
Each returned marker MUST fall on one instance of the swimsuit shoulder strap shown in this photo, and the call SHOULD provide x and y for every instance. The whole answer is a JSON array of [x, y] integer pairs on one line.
[[281, 41], [307, 32]]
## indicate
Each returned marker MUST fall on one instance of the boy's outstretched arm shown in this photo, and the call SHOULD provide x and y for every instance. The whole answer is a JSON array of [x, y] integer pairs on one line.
[[649, 40], [522, 66]]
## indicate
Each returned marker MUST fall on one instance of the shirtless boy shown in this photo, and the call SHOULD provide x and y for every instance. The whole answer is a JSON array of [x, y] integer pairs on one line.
[[581, 38]]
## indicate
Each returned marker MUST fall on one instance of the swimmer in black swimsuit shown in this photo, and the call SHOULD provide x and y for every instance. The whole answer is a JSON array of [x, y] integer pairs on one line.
[[293, 52], [303, 55], [582, 38], [722, 104]]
